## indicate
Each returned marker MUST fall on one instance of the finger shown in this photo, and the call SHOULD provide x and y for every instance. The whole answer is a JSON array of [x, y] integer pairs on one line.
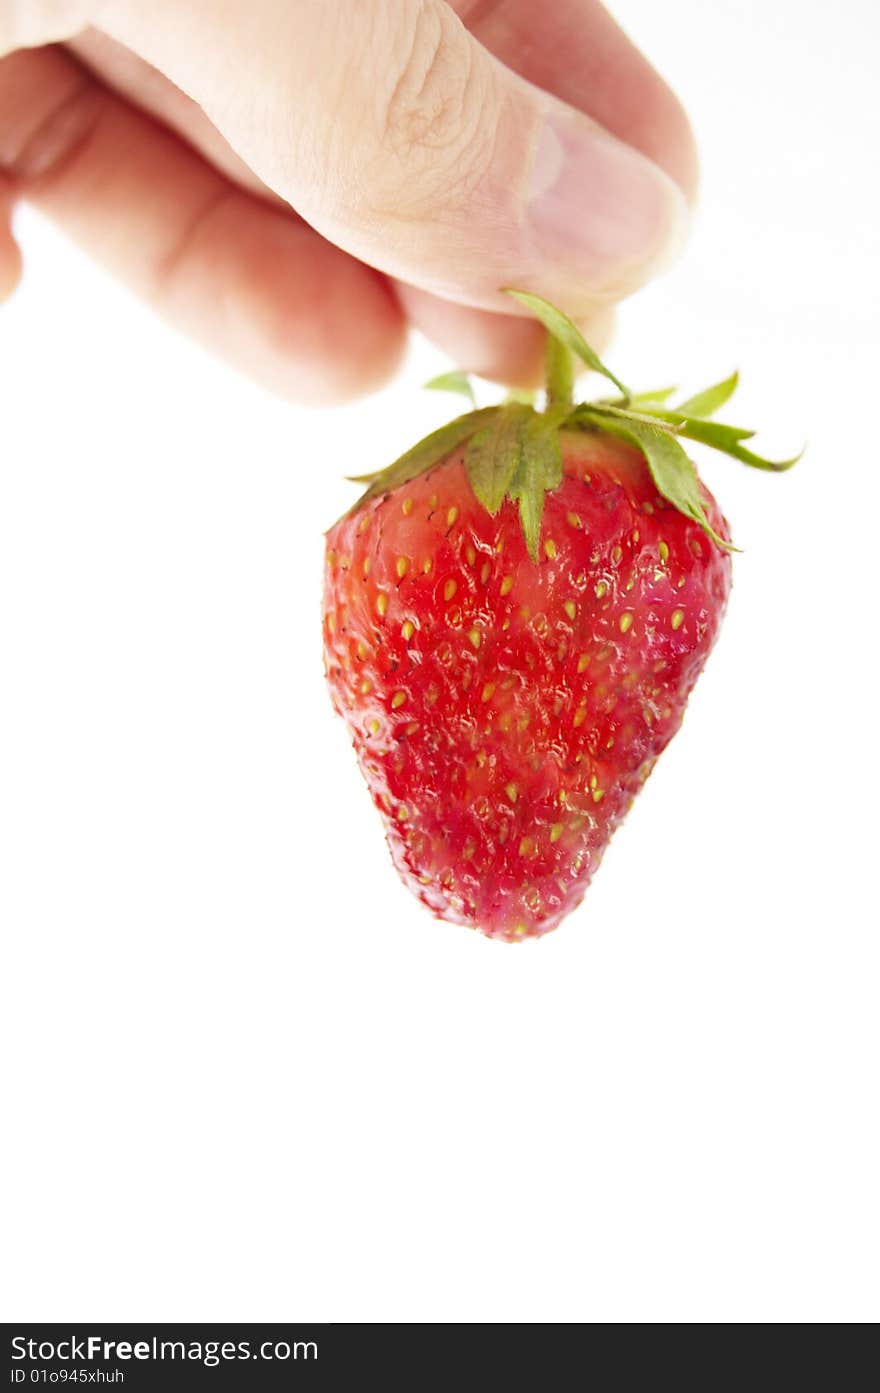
[[494, 346], [401, 139], [246, 278], [124, 73], [490, 345], [10, 256], [578, 52]]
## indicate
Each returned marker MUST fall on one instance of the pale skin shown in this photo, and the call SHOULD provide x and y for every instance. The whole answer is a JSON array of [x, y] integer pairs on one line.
[[295, 182]]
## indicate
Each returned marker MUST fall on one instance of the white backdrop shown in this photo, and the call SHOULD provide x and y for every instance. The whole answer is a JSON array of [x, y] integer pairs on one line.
[[245, 1075]]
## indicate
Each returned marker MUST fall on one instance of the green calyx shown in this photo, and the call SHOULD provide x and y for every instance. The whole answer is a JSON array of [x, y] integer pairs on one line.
[[513, 451]]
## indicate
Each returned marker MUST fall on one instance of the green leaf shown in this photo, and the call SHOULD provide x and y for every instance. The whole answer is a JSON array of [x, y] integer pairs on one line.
[[423, 456], [748, 457], [521, 395], [719, 436], [714, 433], [457, 382], [494, 453], [563, 329], [514, 452], [708, 402], [672, 471], [645, 399], [539, 469], [647, 417]]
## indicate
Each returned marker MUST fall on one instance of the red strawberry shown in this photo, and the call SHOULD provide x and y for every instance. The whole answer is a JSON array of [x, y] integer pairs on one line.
[[514, 617]]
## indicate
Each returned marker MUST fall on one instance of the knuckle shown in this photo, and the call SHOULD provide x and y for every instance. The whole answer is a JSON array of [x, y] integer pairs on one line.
[[49, 115], [194, 235], [427, 80], [435, 106]]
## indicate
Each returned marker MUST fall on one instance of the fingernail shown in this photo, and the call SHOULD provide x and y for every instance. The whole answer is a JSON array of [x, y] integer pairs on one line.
[[599, 212]]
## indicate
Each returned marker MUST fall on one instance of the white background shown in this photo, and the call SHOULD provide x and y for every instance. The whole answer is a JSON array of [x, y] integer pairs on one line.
[[246, 1076]]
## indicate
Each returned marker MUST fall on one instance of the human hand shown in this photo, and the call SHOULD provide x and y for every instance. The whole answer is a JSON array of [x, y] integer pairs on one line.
[[292, 181]]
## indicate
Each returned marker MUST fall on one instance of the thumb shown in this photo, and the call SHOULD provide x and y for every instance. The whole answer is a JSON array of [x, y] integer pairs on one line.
[[392, 131]]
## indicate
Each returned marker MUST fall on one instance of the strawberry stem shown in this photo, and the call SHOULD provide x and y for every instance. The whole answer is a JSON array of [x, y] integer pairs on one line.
[[512, 451], [559, 371]]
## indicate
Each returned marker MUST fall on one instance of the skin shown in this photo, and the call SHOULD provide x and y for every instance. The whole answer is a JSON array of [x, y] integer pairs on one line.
[[295, 182]]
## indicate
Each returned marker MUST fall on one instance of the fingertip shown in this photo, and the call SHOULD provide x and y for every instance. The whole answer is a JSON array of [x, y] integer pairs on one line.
[[10, 264], [582, 55], [264, 291], [495, 346], [499, 347], [327, 329], [670, 141], [10, 253]]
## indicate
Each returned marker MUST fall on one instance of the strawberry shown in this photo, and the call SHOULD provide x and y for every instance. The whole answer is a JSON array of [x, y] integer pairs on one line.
[[515, 614]]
